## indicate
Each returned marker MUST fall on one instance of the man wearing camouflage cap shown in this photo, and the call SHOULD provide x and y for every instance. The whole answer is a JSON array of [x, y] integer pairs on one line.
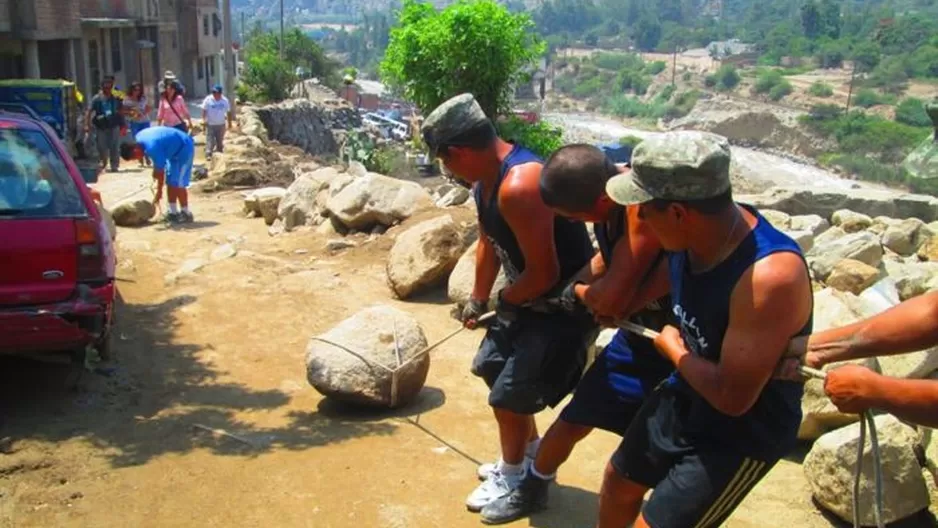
[[532, 355], [741, 292]]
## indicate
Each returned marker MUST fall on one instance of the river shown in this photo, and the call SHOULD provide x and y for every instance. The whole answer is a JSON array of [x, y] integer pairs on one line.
[[754, 165]]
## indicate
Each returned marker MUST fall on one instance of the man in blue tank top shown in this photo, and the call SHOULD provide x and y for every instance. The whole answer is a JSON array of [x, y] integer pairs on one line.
[[532, 356], [741, 292], [573, 184]]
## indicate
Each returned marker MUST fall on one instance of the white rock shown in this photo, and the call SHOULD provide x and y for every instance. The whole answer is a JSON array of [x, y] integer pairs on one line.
[[804, 239], [423, 255], [781, 221], [300, 206], [224, 251], [376, 199], [829, 468], [862, 246], [850, 221], [188, 267], [339, 243], [904, 237], [462, 279], [455, 196], [356, 169], [882, 223], [813, 223], [377, 334], [913, 279]]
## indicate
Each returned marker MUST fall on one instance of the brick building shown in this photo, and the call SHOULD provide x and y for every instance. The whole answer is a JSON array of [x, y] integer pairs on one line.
[[40, 38]]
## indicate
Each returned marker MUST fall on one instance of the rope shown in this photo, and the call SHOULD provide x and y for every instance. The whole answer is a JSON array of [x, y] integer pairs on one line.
[[866, 420], [397, 351]]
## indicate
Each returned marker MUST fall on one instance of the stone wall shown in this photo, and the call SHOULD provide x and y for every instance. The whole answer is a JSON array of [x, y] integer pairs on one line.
[[317, 128]]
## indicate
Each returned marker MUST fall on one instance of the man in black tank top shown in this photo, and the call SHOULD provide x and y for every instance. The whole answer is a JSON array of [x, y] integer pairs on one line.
[[573, 184], [531, 356], [741, 291]]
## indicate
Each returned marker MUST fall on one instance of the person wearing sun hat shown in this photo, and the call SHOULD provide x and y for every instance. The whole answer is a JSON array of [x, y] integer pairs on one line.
[[740, 291]]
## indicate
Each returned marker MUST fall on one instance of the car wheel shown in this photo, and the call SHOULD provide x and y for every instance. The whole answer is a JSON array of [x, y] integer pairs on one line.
[[105, 346]]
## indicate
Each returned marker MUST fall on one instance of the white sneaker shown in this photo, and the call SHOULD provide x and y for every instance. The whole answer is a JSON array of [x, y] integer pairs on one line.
[[484, 471], [496, 486]]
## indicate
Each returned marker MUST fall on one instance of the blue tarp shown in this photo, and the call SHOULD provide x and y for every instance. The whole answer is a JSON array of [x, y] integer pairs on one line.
[[616, 152]]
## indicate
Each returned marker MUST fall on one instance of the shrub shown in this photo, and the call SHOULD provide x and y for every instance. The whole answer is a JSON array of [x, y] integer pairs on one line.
[[780, 90], [542, 137], [682, 104], [618, 61], [685, 76], [866, 98], [911, 111], [867, 169], [821, 89], [727, 78], [656, 67], [766, 81], [665, 94], [710, 81], [824, 112], [625, 106]]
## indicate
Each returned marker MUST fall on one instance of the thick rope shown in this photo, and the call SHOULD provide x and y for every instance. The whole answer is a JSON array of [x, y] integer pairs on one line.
[[866, 420]]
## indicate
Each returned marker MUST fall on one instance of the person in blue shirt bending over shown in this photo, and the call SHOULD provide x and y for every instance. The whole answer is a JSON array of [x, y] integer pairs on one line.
[[172, 152], [740, 291]]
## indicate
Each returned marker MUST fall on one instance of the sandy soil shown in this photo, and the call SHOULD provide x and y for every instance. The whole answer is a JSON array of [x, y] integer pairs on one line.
[[223, 348]]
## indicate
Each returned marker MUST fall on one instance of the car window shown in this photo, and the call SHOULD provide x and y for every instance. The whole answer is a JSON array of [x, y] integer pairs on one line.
[[34, 181]]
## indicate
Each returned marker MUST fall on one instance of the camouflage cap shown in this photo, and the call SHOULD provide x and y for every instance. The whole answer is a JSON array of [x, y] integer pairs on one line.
[[678, 166], [451, 119]]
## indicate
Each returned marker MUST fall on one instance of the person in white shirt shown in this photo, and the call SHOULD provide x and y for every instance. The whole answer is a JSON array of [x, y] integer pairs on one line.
[[216, 112]]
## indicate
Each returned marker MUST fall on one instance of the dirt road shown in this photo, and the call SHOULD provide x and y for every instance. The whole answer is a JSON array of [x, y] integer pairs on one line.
[[223, 347]]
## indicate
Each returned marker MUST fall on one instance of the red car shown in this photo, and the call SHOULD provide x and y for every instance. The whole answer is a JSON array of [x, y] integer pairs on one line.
[[57, 258]]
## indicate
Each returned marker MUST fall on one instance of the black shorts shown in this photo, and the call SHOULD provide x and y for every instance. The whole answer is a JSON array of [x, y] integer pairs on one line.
[[615, 386], [535, 361], [694, 485]]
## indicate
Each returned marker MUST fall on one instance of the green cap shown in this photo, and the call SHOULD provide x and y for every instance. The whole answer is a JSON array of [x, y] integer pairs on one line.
[[674, 166], [451, 119]]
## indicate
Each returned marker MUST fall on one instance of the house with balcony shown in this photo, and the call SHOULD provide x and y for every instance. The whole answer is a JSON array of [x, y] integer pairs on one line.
[[200, 30], [40, 39]]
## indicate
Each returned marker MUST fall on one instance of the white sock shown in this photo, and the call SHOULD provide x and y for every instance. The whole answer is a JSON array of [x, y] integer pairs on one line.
[[509, 469], [185, 209], [531, 450], [541, 476], [172, 208]]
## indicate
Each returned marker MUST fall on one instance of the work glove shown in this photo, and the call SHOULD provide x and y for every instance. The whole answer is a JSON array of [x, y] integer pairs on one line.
[[471, 312]]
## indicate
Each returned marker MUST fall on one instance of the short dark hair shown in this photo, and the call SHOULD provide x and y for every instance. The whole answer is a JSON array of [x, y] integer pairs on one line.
[[707, 206], [575, 176], [476, 138], [128, 150]]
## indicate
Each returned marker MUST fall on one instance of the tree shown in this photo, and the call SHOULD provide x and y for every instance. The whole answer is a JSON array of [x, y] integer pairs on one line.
[[475, 46], [865, 56], [647, 33], [811, 19], [830, 21], [298, 50]]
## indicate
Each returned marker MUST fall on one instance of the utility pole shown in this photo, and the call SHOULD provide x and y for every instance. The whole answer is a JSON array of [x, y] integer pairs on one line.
[[230, 63], [674, 64], [281, 29], [853, 75]]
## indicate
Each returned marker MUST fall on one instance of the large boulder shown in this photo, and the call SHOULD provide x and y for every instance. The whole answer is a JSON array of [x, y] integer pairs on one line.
[[904, 237], [463, 278], [301, 204], [249, 166], [812, 222], [851, 221], [852, 276], [423, 255], [778, 219], [914, 278], [134, 212], [832, 309], [829, 468], [861, 246], [928, 251], [351, 361], [376, 199], [264, 203], [824, 202], [455, 196]]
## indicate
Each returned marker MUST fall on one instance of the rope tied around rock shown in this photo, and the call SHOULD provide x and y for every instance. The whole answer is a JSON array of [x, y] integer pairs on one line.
[[401, 363], [866, 421]]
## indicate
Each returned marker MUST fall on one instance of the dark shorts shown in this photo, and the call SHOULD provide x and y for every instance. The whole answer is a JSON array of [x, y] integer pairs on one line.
[[616, 384], [694, 484], [535, 361]]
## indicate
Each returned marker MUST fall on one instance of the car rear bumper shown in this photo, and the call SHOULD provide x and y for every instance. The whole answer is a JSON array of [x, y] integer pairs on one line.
[[62, 326]]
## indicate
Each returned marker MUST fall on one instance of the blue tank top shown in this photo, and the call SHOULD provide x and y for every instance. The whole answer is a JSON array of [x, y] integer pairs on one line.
[[571, 239], [701, 306]]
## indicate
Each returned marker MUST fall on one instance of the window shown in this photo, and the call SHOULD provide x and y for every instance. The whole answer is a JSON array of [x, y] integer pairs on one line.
[[175, 40], [34, 181], [94, 61], [116, 64], [205, 25], [200, 70]]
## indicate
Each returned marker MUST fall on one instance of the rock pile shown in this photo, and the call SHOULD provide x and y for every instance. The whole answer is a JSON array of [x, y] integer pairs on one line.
[[358, 360]]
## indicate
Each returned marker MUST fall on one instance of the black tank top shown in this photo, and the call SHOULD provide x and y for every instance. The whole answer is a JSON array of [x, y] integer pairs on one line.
[[571, 239]]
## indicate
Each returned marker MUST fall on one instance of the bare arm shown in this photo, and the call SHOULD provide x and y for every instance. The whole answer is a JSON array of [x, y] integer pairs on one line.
[[907, 327], [854, 389], [770, 303], [532, 223], [632, 258], [486, 268], [656, 285]]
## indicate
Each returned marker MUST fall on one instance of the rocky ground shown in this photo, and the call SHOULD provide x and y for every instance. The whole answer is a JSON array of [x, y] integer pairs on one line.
[[207, 416]]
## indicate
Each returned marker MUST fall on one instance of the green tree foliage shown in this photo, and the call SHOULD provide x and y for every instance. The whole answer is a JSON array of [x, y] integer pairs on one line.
[[820, 89], [364, 46], [865, 98], [268, 78], [780, 90], [471, 46], [541, 137], [727, 78], [911, 111], [647, 33], [866, 56]]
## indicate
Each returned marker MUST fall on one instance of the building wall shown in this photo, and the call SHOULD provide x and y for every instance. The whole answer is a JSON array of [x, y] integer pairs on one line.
[[6, 16]]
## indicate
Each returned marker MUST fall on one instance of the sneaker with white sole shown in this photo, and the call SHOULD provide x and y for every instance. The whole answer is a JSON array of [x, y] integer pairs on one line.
[[496, 486], [485, 470]]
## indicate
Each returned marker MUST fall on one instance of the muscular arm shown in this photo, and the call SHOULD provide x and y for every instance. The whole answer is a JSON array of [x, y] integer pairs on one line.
[[907, 327], [532, 223], [769, 304], [914, 401], [486, 268], [656, 285], [611, 294]]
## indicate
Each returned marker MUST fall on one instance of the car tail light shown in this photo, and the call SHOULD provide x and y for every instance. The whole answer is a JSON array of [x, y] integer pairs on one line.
[[91, 262]]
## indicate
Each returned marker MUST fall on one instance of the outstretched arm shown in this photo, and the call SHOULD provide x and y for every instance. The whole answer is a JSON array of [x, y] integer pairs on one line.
[[532, 222], [486, 268], [854, 389], [770, 303]]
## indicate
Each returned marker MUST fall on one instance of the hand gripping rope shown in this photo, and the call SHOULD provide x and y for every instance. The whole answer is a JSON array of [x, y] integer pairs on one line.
[[866, 420], [401, 363]]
